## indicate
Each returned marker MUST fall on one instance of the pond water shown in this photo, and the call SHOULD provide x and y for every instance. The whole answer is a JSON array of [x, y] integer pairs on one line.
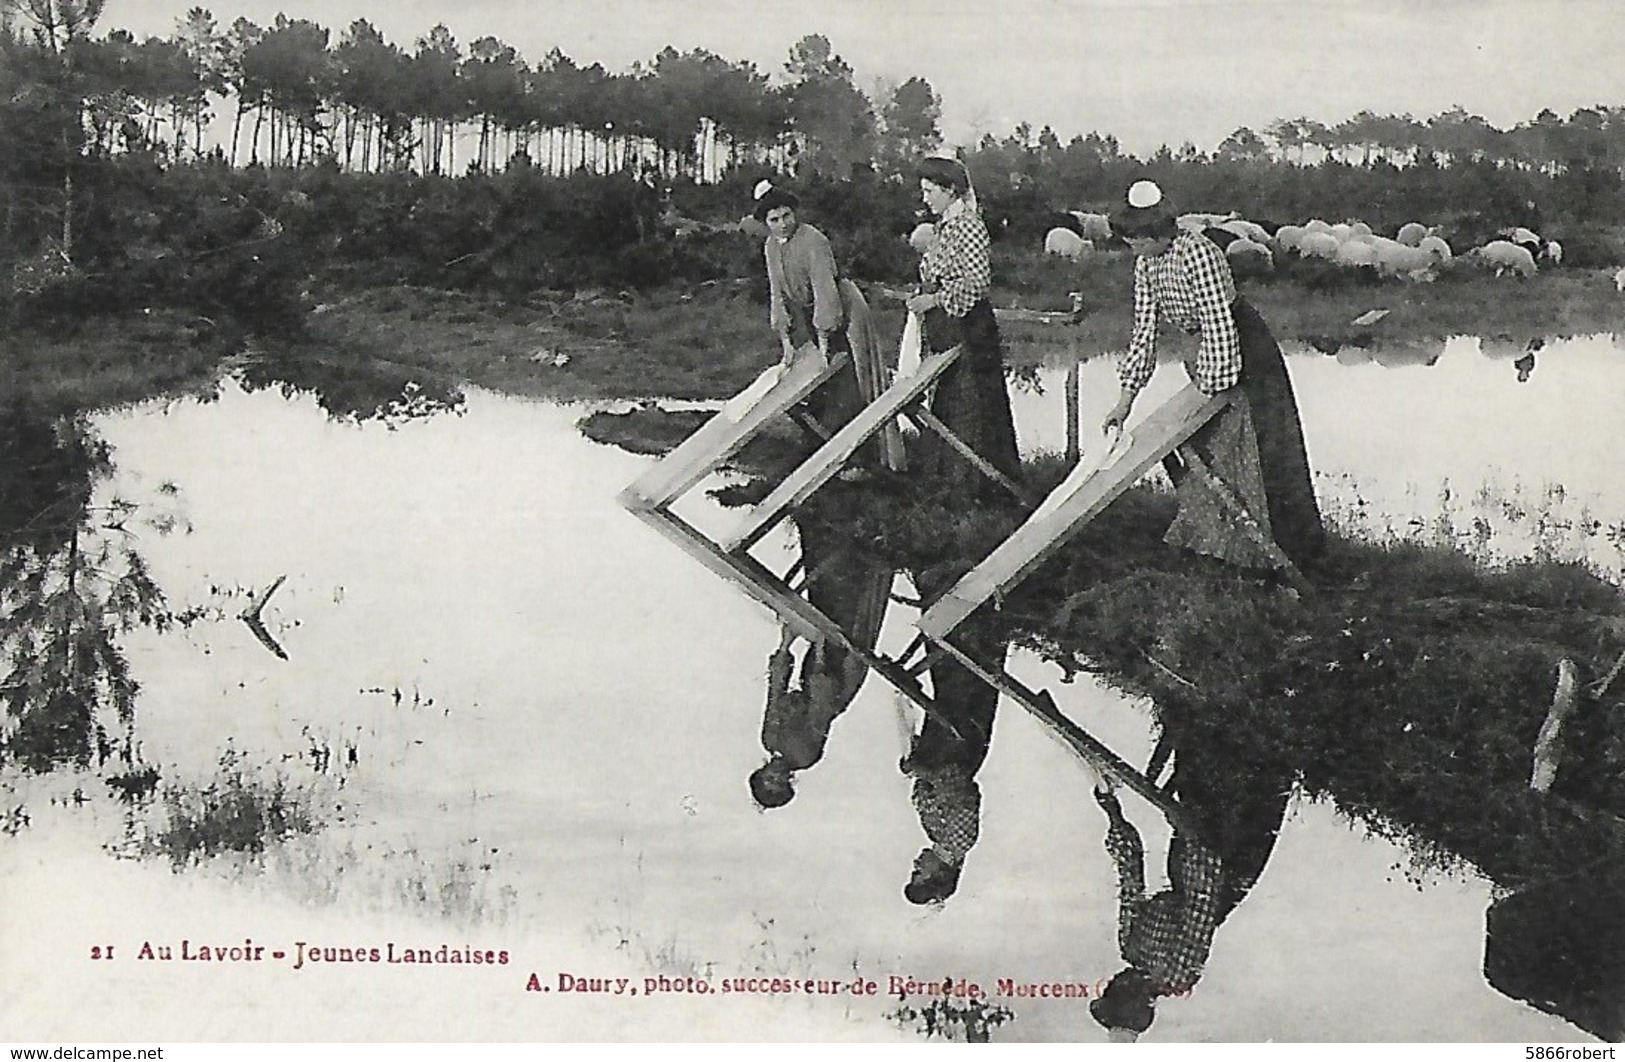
[[527, 721]]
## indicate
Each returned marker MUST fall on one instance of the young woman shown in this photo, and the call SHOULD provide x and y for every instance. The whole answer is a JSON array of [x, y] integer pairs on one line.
[[1256, 445], [955, 275], [810, 302]]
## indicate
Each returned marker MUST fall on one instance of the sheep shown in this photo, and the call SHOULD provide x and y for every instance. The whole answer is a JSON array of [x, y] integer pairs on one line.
[[1066, 243], [1091, 226], [1436, 247], [1411, 234], [923, 236], [1289, 237], [1396, 259], [1552, 252], [1507, 257], [1619, 285], [1250, 257], [1342, 230], [1223, 237], [1360, 228], [1525, 238], [1196, 222], [1318, 245], [1356, 253], [1245, 229], [1316, 225]]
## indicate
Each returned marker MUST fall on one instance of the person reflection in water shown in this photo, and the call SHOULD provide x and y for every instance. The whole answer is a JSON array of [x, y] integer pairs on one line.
[[1165, 939], [945, 756], [852, 592]]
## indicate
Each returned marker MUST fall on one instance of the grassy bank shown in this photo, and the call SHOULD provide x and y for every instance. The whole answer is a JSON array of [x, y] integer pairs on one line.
[[709, 341]]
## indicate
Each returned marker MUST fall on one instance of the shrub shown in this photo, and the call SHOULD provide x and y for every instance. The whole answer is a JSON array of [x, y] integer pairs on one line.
[[241, 810]]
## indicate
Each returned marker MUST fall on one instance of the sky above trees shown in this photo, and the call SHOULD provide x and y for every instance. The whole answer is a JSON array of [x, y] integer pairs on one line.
[[1148, 71]]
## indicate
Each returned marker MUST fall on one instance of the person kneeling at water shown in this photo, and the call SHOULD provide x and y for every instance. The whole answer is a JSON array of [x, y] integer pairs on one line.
[[1255, 445]]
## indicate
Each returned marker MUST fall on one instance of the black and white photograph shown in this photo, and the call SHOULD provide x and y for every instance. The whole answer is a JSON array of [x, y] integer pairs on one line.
[[862, 521]]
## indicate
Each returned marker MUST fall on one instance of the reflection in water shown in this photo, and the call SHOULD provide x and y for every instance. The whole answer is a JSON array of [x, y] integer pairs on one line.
[[1560, 946], [948, 751], [851, 590], [1234, 810], [347, 391], [71, 583]]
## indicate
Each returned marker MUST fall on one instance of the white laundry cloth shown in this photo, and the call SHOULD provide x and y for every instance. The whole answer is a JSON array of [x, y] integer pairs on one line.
[[1101, 454], [747, 399]]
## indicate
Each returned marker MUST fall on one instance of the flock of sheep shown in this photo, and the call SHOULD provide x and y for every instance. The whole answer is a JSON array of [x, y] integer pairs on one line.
[[1415, 252]]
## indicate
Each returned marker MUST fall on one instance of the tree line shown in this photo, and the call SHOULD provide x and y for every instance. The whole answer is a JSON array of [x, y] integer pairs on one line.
[[294, 96], [113, 191]]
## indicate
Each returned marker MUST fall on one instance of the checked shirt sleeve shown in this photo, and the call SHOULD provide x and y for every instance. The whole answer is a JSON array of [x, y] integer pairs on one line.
[[1128, 856], [1134, 368], [959, 263], [1213, 289]]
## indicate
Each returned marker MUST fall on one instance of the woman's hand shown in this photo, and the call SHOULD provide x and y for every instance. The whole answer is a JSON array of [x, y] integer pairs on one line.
[[1119, 412], [922, 303]]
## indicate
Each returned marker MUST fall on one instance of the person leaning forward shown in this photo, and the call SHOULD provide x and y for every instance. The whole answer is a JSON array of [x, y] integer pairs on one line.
[[1255, 445], [811, 303]]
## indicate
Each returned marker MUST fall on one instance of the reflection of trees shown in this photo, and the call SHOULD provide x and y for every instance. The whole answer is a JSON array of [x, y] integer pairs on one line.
[[71, 582], [348, 391]]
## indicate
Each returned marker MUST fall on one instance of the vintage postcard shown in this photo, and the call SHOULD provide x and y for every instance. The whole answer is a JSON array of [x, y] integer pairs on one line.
[[1061, 520]]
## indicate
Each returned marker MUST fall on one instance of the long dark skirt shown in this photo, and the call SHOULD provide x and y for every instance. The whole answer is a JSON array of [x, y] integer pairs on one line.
[[972, 400], [1255, 446], [1288, 487]]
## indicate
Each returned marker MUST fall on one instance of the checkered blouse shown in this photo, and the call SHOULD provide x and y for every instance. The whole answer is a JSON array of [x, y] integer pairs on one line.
[[1167, 936], [957, 265], [1190, 285]]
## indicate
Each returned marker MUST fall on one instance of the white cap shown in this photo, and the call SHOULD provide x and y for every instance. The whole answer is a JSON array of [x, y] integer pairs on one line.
[[763, 187], [1142, 194]]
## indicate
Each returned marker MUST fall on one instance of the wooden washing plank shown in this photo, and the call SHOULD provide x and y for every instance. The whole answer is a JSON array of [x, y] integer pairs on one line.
[[828, 459], [720, 438], [744, 571], [802, 617], [1089, 748], [1049, 529]]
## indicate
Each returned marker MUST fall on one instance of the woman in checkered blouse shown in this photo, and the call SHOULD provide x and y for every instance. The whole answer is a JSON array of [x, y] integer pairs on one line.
[[955, 276], [1256, 445]]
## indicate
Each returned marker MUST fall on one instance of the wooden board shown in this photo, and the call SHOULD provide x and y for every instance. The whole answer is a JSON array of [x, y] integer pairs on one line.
[[828, 458], [744, 572], [1089, 748], [720, 437], [1056, 521], [803, 618]]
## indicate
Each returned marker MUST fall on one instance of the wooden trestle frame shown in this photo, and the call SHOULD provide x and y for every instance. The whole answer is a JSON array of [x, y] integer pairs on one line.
[[1166, 430]]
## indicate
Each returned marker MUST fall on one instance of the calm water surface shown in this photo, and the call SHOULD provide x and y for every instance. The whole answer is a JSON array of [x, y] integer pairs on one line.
[[508, 671]]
